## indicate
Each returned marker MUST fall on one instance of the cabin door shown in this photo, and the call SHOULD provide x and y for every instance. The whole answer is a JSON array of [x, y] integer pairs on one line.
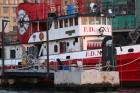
[[62, 47]]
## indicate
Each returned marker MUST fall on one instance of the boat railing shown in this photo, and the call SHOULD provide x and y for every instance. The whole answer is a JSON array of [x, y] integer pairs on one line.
[[18, 65], [75, 65], [14, 65]]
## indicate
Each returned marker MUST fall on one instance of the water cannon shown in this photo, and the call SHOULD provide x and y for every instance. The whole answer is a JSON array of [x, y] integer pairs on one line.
[[110, 11]]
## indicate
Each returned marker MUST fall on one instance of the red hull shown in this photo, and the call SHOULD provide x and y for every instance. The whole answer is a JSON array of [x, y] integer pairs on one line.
[[129, 72], [127, 64]]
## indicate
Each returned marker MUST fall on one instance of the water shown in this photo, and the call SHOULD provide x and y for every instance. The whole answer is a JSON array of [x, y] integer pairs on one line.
[[121, 90]]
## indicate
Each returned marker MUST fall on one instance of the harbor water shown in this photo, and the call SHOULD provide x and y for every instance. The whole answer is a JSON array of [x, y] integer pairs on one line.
[[120, 90]]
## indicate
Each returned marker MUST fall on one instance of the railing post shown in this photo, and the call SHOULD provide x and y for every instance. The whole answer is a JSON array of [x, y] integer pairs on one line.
[[4, 24], [47, 37]]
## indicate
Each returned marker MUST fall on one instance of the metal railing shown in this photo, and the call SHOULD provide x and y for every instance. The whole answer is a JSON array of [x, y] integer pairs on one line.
[[18, 65], [22, 65]]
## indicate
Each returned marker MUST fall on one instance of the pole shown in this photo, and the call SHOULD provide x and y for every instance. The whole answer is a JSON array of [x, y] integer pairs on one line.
[[47, 34], [2, 52], [48, 24], [4, 24]]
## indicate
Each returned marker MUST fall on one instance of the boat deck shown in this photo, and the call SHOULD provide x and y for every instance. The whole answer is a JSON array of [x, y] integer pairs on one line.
[[26, 73]]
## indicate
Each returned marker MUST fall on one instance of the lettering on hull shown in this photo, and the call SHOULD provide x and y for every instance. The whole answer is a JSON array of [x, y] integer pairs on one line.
[[94, 29], [93, 53]]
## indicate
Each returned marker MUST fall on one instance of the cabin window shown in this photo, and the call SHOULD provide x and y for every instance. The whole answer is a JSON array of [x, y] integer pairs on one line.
[[85, 20], [37, 49], [55, 48], [42, 49], [74, 43], [56, 24], [76, 20], [98, 20], [67, 57], [109, 21], [33, 50], [12, 53], [76, 39], [66, 22], [91, 44], [61, 23], [131, 50], [62, 47], [104, 20], [71, 21], [92, 20], [68, 44]]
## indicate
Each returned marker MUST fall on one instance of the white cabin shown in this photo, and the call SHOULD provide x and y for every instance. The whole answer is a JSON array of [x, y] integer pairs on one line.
[[75, 33], [67, 34]]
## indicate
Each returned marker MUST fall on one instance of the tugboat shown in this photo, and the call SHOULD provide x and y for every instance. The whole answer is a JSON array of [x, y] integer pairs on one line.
[[80, 33]]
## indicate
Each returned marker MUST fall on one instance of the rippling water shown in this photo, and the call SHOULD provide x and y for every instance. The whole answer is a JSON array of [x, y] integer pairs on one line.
[[123, 90]]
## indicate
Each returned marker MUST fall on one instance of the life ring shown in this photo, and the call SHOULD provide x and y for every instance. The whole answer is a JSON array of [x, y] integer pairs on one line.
[[23, 21], [41, 36]]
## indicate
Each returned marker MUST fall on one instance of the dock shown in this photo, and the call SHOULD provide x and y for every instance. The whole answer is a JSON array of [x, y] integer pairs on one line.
[[70, 77]]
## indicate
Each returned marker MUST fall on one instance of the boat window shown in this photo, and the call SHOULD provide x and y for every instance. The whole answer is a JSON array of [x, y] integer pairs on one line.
[[104, 20], [56, 24], [98, 20], [85, 20], [76, 20], [42, 48], [76, 39], [131, 50], [93, 44], [61, 23], [66, 22], [55, 48], [68, 44], [36, 49], [74, 43], [33, 50], [67, 57], [109, 21], [12, 53], [71, 21], [92, 20], [62, 47]]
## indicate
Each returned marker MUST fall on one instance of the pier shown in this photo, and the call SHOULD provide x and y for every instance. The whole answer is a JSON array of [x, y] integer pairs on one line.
[[70, 75]]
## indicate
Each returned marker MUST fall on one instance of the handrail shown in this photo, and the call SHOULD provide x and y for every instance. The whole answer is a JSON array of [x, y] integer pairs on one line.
[[40, 65], [69, 66]]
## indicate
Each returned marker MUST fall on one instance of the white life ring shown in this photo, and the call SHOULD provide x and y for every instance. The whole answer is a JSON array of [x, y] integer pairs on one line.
[[23, 21]]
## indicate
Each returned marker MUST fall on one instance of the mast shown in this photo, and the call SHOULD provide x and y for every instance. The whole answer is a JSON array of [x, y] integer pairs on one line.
[[4, 24]]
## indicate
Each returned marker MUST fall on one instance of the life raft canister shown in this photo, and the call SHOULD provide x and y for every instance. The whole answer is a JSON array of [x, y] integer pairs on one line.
[[41, 36]]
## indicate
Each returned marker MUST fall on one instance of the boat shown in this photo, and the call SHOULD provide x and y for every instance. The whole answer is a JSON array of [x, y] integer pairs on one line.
[[81, 34]]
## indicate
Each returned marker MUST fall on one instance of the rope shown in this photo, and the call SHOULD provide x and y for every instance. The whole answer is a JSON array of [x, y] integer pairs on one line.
[[123, 64], [108, 65], [128, 62]]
